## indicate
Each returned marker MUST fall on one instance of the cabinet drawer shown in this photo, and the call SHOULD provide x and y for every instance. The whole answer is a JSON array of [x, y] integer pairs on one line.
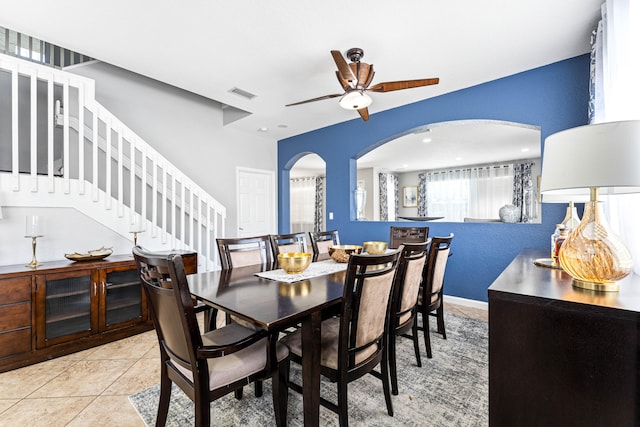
[[15, 342], [15, 290], [15, 316]]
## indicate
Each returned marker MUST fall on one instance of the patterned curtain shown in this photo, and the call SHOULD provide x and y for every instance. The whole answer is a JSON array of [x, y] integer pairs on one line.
[[422, 194], [384, 204], [523, 196], [319, 214], [596, 108], [385, 197], [396, 194]]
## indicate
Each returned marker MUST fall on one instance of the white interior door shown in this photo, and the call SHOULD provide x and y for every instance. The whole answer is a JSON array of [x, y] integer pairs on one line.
[[256, 202]]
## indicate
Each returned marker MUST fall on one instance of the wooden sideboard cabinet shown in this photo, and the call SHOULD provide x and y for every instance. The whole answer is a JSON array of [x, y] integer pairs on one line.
[[62, 307], [559, 355]]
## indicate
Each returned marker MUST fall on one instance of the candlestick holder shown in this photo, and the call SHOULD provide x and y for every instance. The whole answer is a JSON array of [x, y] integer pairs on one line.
[[34, 262], [135, 236]]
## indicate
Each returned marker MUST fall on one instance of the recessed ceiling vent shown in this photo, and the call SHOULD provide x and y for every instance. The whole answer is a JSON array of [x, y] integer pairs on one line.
[[242, 93]]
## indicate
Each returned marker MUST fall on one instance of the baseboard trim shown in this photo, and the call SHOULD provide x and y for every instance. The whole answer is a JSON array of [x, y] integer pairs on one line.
[[466, 302]]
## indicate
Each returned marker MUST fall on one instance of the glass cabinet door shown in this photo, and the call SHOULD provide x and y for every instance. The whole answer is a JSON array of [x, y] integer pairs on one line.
[[122, 296], [64, 307]]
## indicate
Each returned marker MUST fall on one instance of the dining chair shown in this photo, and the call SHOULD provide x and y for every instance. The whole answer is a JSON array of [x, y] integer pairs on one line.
[[355, 342], [244, 251], [430, 301], [406, 290], [399, 235], [292, 242], [321, 241], [209, 366]]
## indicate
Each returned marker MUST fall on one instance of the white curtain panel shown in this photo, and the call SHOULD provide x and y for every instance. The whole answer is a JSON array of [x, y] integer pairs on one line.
[[302, 202], [616, 94], [473, 192]]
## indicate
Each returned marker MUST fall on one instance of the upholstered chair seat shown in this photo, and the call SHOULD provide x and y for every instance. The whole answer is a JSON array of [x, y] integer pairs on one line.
[[241, 364], [329, 345]]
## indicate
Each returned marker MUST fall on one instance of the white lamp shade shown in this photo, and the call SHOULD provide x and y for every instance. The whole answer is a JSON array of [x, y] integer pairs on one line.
[[355, 100], [604, 156]]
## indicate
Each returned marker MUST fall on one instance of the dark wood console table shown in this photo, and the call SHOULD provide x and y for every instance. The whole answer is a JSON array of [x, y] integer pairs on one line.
[[62, 307], [560, 356]]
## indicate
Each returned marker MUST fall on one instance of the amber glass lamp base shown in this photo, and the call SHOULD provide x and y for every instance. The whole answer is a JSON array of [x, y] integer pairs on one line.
[[594, 256]]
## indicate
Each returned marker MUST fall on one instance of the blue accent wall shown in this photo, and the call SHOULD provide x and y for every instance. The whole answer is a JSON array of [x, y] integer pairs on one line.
[[553, 97]]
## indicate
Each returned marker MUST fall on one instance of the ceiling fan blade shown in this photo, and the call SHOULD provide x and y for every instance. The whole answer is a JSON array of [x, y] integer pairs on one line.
[[320, 98], [343, 67], [345, 84], [369, 77], [402, 84], [364, 113]]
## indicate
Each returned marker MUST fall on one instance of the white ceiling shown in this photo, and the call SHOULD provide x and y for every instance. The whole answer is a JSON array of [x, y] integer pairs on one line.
[[279, 49]]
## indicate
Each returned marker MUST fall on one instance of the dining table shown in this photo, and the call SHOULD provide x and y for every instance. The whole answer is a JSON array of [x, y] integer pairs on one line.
[[274, 301]]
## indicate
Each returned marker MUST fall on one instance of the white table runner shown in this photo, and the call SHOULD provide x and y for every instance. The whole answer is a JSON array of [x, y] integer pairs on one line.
[[315, 269]]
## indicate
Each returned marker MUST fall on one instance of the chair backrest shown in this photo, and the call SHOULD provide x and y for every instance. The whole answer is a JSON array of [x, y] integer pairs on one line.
[[433, 278], [399, 235], [321, 241], [244, 251], [407, 281], [293, 242], [165, 283], [366, 306]]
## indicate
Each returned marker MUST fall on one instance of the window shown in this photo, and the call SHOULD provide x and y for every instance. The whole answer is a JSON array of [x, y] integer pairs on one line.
[[477, 192]]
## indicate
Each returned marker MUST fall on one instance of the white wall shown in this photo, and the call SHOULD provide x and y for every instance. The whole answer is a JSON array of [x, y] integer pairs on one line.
[[185, 128], [66, 230]]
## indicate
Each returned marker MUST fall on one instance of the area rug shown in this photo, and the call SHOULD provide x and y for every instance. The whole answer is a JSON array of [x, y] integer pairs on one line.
[[451, 389]]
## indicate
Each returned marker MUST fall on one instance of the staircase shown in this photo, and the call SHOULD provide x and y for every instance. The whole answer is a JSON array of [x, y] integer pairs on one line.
[[67, 150]]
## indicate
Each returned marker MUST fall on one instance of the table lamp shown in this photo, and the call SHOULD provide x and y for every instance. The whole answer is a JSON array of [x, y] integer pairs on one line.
[[594, 159]]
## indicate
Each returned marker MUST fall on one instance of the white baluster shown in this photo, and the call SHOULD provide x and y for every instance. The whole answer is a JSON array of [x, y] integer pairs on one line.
[[33, 137], [80, 137]]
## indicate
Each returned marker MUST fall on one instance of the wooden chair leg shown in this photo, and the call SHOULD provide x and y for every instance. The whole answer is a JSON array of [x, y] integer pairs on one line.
[[414, 337], [384, 370], [427, 337], [258, 388], [343, 413], [392, 364], [440, 317], [165, 397], [203, 411]]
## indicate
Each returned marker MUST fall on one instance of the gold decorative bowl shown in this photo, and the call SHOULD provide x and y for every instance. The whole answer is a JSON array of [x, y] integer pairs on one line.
[[294, 262], [375, 248], [341, 253]]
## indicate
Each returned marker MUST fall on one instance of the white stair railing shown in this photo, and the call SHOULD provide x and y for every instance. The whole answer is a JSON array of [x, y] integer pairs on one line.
[[98, 158]]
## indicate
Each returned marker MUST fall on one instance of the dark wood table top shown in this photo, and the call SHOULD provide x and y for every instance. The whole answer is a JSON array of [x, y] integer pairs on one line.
[[270, 304], [524, 278]]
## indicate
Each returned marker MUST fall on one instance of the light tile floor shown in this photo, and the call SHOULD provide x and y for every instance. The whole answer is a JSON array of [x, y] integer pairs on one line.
[[91, 387]]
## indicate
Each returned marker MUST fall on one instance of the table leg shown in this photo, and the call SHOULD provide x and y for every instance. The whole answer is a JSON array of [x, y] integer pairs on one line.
[[311, 369]]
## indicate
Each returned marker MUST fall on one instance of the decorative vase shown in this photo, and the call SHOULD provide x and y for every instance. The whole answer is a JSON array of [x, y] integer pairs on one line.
[[509, 213]]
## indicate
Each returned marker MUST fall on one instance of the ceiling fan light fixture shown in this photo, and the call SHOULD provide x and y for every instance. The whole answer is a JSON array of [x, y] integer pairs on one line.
[[355, 100]]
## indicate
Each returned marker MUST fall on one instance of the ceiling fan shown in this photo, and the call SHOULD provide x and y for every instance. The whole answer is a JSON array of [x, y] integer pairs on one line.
[[355, 79]]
